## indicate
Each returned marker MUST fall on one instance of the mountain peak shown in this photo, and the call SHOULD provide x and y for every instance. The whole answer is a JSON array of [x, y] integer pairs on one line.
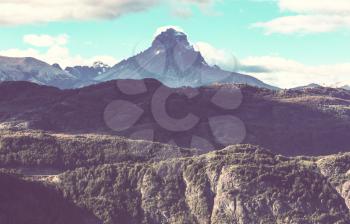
[[99, 64], [170, 38], [56, 65], [175, 62]]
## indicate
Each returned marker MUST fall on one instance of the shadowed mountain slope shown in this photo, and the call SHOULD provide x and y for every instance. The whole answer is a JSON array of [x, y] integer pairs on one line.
[[291, 122], [34, 203]]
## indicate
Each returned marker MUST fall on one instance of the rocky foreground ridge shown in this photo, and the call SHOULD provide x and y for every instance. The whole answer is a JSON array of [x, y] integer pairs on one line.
[[239, 184]]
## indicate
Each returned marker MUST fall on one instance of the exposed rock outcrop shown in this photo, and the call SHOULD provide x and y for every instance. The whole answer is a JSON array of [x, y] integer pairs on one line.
[[337, 169], [240, 184]]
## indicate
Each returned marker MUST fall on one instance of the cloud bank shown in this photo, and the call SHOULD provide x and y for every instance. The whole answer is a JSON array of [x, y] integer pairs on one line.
[[312, 16], [287, 73], [54, 50], [17, 12], [214, 56], [45, 40]]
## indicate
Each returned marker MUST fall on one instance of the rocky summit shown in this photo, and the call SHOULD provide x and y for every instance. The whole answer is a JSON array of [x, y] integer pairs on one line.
[[172, 60]]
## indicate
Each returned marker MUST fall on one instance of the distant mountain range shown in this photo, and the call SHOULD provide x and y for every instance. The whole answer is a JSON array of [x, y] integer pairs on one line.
[[171, 59], [339, 85], [310, 86], [33, 70], [87, 74]]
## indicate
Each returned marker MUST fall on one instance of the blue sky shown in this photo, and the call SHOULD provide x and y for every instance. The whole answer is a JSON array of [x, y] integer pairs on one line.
[[297, 42]]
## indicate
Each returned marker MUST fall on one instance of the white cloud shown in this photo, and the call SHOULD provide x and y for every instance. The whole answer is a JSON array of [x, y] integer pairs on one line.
[[313, 16], [55, 51], [288, 73], [34, 11], [45, 40], [316, 6], [15, 12], [215, 56], [305, 24], [310, 16], [183, 12], [183, 8], [275, 70]]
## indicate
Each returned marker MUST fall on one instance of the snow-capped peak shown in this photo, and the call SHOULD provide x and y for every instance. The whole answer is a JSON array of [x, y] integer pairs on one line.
[[99, 64]]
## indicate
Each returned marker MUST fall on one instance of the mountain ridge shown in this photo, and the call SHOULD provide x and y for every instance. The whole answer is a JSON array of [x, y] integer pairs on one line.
[[33, 70], [321, 114], [173, 61]]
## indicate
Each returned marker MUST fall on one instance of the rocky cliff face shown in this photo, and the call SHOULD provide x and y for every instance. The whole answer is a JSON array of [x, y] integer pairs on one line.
[[106, 179], [337, 169], [241, 184]]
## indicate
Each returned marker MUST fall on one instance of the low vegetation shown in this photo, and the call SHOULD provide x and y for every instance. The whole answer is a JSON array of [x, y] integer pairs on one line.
[[112, 180]]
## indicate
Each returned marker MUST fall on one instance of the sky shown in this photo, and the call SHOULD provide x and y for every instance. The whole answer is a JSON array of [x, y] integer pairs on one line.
[[286, 43]]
